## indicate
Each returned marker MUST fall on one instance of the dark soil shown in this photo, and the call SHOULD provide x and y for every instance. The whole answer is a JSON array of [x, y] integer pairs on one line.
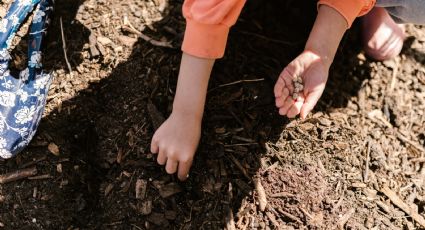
[[327, 172]]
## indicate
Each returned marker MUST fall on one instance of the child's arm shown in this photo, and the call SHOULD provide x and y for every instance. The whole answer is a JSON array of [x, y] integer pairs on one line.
[[313, 64], [177, 139], [207, 27]]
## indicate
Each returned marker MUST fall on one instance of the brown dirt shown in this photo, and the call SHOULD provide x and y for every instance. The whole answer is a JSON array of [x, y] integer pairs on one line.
[[313, 171]]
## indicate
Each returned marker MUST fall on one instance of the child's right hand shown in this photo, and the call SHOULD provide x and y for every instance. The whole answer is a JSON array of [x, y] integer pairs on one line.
[[314, 73], [176, 141]]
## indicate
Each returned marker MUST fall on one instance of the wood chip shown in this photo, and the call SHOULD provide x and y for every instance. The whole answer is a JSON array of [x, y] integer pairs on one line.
[[156, 117], [145, 207], [127, 41], [289, 215], [262, 199], [141, 186], [402, 205], [92, 42], [169, 190], [282, 194], [343, 220], [17, 175], [54, 149], [108, 189], [104, 40]]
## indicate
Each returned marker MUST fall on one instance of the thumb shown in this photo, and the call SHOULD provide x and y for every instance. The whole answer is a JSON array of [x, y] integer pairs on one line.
[[310, 102]]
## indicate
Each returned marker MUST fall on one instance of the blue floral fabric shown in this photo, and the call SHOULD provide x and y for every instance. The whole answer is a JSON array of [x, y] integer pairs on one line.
[[22, 95]]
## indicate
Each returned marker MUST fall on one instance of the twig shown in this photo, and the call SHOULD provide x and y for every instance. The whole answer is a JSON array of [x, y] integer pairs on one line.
[[262, 198], [366, 173], [270, 39], [41, 177], [282, 194], [239, 166], [413, 144], [272, 218], [237, 82], [419, 159], [289, 215], [145, 37], [343, 220], [17, 175], [403, 206], [394, 75], [230, 220], [64, 47], [242, 144]]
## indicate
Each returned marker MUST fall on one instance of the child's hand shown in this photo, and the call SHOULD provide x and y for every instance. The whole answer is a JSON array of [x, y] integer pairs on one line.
[[314, 73], [176, 142]]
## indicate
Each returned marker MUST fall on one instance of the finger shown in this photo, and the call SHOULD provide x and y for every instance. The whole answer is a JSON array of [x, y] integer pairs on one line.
[[184, 168], [287, 76], [287, 104], [296, 107], [278, 87], [171, 166], [310, 102], [162, 157], [280, 101], [154, 145]]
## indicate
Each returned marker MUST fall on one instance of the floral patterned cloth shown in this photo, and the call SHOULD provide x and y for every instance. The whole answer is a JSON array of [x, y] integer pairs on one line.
[[23, 94]]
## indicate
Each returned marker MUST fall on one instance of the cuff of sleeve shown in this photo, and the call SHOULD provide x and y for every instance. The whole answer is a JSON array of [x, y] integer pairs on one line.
[[349, 9], [205, 40]]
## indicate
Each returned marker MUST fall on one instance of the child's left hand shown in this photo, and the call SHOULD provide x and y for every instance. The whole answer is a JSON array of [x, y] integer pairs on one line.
[[314, 73]]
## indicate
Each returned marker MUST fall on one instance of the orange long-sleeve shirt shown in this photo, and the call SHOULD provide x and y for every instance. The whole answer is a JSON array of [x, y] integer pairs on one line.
[[208, 22]]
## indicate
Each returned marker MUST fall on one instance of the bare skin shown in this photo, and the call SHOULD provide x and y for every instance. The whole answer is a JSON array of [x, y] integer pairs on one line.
[[312, 65], [177, 139]]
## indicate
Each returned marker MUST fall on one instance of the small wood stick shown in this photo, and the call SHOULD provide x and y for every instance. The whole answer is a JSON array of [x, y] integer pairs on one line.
[[403, 206], [262, 198], [17, 175], [366, 173], [64, 47], [343, 220]]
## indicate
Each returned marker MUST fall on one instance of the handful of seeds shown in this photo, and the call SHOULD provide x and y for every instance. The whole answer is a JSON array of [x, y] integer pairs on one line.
[[298, 87]]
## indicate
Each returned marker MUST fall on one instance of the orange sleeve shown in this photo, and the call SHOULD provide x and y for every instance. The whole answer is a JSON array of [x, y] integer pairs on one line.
[[207, 26], [350, 9]]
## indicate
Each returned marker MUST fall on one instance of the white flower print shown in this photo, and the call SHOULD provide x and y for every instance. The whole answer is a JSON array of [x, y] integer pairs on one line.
[[23, 95], [24, 74], [5, 154], [40, 83], [4, 54], [25, 2], [23, 131], [3, 25], [24, 115], [35, 59], [9, 40], [38, 16], [3, 142], [7, 98], [5, 74], [7, 84], [1, 126], [3, 67], [15, 20]]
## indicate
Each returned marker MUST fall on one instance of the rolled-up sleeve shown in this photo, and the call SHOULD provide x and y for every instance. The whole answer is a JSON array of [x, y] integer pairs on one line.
[[207, 26], [350, 9]]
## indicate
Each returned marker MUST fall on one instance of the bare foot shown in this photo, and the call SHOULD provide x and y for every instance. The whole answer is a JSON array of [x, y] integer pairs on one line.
[[292, 98], [176, 141], [382, 37]]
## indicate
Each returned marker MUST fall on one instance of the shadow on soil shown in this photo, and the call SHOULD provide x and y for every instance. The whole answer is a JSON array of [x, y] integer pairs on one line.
[[110, 118]]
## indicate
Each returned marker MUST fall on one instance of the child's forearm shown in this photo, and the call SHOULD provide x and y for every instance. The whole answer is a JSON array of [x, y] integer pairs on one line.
[[327, 32], [192, 85]]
